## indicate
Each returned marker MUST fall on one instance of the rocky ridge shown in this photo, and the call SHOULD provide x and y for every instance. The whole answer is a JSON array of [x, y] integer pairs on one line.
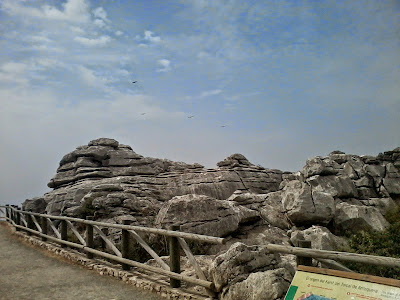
[[247, 204]]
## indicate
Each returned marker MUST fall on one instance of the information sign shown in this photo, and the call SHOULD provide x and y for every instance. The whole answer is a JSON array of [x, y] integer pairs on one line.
[[323, 284]]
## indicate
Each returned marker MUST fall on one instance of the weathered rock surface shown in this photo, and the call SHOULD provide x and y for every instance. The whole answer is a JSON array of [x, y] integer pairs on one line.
[[320, 237], [267, 285], [204, 215], [134, 182], [355, 218], [239, 261], [249, 205], [304, 205]]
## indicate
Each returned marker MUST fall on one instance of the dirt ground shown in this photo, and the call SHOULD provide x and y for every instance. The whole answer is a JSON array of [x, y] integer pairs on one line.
[[29, 273]]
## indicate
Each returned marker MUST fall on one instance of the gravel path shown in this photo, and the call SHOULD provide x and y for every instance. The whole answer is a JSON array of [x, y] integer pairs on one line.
[[29, 273]]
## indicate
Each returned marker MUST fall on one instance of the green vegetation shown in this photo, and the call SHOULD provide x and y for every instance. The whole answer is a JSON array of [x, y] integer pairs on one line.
[[386, 243]]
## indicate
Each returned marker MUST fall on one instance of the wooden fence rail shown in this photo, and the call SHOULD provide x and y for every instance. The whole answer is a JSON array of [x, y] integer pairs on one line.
[[29, 222], [38, 224]]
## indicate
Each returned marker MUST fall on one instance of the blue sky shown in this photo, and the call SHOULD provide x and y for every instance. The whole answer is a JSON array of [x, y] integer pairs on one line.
[[289, 80]]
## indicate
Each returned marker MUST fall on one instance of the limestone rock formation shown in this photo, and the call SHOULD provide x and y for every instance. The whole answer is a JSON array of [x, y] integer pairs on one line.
[[232, 271], [204, 215], [249, 205], [108, 179], [267, 285], [320, 237], [307, 206]]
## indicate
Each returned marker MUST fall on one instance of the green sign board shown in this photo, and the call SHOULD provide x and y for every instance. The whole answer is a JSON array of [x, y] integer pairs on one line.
[[323, 284]]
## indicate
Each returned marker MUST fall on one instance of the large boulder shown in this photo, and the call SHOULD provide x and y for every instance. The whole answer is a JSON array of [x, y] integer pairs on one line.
[[392, 179], [320, 166], [306, 206], [236, 264], [204, 215], [320, 237], [267, 285], [355, 218], [336, 186], [37, 205]]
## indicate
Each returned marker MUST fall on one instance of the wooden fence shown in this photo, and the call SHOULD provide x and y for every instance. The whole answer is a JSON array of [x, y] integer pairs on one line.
[[39, 224]]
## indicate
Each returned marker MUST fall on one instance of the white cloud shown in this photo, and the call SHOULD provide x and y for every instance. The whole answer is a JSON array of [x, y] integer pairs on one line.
[[122, 72], [47, 49], [48, 62], [210, 93], [99, 12], [101, 41], [13, 67], [119, 33], [77, 29], [148, 36], [91, 78], [73, 10], [40, 39], [99, 23], [166, 65], [13, 72]]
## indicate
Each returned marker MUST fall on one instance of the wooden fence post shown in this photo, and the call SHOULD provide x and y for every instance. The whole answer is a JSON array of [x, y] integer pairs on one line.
[[125, 245], [174, 257], [305, 261], [18, 218], [44, 228], [89, 237], [7, 212], [12, 214], [64, 232], [29, 222]]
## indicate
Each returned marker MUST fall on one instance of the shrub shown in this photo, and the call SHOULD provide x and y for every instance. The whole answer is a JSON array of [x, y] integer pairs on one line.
[[386, 243]]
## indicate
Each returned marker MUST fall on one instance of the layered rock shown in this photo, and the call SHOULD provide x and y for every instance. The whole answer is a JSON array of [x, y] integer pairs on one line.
[[249, 205], [109, 179], [349, 192], [204, 215]]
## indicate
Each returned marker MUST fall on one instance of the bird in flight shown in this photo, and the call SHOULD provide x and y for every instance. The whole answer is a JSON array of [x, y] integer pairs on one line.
[[134, 81], [143, 114], [190, 117], [223, 125]]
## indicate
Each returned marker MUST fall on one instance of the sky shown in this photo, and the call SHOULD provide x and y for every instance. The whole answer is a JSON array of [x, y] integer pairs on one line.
[[277, 81]]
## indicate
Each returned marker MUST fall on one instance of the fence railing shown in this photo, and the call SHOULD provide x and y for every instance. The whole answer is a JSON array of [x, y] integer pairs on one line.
[[35, 223], [55, 228]]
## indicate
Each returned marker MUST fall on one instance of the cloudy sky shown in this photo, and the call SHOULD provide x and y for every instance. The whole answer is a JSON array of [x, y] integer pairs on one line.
[[278, 81]]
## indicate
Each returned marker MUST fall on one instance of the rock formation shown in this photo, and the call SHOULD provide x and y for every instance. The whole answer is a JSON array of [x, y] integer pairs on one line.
[[249, 205]]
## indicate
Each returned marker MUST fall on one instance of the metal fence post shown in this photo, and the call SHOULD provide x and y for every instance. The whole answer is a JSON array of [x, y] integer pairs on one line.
[[64, 232], [305, 261], [44, 228], [125, 245], [174, 257], [89, 237]]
